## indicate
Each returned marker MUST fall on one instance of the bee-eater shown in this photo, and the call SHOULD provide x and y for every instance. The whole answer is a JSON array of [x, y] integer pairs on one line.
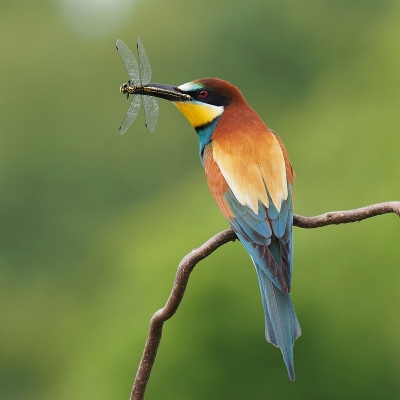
[[250, 176]]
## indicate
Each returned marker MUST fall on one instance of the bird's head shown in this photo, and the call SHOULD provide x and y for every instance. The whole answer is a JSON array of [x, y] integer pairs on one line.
[[201, 101]]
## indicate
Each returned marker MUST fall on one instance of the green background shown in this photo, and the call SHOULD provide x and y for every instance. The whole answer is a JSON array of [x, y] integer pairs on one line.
[[93, 224]]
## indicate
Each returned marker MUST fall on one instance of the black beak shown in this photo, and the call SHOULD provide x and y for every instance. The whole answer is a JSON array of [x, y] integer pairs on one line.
[[167, 92]]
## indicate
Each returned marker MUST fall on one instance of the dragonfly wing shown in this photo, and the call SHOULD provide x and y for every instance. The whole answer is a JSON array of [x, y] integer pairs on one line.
[[131, 114], [129, 60], [145, 69], [151, 111]]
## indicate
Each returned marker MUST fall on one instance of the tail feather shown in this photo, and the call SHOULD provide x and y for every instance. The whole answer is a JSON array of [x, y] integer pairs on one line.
[[281, 325]]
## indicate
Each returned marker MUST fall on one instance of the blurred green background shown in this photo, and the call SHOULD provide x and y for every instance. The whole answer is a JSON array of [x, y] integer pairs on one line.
[[93, 224]]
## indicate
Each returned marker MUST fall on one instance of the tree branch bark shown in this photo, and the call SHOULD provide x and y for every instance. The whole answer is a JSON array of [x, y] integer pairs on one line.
[[190, 261]]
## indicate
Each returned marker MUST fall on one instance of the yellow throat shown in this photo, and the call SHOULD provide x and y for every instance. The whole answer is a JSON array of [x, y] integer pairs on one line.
[[198, 113]]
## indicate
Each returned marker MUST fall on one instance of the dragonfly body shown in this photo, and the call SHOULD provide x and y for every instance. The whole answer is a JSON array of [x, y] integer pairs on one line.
[[152, 90], [129, 88]]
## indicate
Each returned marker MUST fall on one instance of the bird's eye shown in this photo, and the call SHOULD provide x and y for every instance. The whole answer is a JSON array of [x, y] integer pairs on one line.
[[203, 94]]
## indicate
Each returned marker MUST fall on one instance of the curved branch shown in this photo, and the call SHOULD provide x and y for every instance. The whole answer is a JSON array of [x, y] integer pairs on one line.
[[189, 262]]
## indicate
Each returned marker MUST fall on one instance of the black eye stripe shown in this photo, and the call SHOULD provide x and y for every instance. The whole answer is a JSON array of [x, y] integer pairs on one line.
[[210, 97]]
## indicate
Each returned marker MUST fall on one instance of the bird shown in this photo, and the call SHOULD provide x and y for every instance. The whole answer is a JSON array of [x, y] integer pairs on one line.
[[250, 176]]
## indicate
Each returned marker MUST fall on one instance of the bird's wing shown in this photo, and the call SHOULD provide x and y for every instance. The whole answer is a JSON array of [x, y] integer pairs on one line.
[[264, 228]]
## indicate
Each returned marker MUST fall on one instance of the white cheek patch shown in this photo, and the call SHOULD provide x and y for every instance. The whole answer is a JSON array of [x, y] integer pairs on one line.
[[190, 86]]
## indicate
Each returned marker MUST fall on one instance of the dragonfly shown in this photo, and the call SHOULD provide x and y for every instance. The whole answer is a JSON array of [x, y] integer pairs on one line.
[[139, 77]]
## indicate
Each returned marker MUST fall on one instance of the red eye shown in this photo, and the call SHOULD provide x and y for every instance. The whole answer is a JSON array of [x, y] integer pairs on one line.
[[203, 94]]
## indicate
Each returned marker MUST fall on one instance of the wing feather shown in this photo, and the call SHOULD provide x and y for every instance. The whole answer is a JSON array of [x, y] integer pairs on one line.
[[256, 229]]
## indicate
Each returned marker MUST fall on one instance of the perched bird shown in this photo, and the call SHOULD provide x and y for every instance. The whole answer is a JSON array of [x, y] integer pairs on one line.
[[251, 178]]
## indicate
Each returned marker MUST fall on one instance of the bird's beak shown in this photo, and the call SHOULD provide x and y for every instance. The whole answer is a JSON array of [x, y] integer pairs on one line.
[[167, 92]]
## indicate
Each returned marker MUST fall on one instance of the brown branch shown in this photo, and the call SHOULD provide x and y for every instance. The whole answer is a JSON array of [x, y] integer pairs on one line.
[[189, 262], [345, 217]]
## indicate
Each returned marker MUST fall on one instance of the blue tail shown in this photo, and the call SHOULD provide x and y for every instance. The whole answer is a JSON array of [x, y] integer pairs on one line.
[[281, 325]]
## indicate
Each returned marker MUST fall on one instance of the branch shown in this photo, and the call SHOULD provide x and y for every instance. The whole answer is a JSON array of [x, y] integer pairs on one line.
[[189, 262], [345, 217]]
